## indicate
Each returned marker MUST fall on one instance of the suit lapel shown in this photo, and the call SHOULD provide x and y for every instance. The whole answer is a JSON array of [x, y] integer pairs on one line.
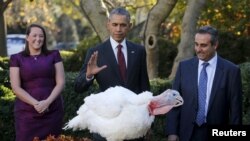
[[194, 74], [131, 52], [111, 58], [216, 82]]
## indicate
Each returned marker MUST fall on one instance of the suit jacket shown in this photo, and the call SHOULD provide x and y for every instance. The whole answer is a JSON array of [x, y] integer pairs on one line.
[[225, 104], [137, 77]]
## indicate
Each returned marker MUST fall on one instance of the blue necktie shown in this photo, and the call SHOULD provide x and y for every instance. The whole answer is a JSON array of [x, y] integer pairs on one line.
[[200, 118]]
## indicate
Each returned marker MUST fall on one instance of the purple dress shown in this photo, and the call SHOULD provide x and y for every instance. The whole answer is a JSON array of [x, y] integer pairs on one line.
[[37, 75]]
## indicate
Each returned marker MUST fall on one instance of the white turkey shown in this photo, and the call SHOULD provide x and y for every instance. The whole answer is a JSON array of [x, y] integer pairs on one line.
[[119, 114]]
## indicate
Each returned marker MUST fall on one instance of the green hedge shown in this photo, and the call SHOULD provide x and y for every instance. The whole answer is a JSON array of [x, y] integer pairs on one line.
[[245, 75], [71, 57], [72, 102]]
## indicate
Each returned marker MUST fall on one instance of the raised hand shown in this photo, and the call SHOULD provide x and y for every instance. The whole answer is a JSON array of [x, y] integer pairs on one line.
[[92, 67]]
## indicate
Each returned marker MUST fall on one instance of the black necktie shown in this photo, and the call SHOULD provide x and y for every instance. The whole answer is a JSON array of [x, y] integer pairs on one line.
[[121, 62]]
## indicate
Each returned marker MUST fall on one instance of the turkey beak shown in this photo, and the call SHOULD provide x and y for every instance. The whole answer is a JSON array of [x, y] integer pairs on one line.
[[178, 101]]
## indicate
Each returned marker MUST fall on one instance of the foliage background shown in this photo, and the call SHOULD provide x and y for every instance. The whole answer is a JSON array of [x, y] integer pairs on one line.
[[72, 102], [231, 17]]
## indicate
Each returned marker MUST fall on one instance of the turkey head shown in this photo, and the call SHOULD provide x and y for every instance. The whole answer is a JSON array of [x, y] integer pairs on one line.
[[164, 102]]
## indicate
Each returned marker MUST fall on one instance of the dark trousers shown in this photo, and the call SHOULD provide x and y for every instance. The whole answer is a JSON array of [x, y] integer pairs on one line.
[[200, 133], [97, 137]]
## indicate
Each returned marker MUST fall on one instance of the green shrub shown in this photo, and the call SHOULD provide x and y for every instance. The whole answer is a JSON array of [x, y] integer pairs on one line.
[[72, 102], [234, 48], [73, 60], [6, 113], [6, 102], [167, 53], [4, 71], [245, 75]]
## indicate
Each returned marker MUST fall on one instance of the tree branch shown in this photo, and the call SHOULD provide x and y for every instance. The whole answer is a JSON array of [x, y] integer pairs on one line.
[[6, 3]]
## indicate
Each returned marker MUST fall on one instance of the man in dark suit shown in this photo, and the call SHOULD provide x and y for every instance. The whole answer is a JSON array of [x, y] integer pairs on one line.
[[102, 62], [222, 104]]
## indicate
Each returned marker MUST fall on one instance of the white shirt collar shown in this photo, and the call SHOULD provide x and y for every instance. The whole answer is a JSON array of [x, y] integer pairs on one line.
[[212, 62], [114, 44]]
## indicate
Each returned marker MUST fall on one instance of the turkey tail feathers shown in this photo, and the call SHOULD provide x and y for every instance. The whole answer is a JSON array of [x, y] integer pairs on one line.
[[75, 124]]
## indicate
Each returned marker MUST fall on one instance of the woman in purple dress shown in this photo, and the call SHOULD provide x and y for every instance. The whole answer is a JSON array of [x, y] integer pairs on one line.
[[37, 79]]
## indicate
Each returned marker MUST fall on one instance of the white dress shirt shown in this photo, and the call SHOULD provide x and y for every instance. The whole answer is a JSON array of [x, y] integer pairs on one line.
[[210, 75], [114, 45]]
